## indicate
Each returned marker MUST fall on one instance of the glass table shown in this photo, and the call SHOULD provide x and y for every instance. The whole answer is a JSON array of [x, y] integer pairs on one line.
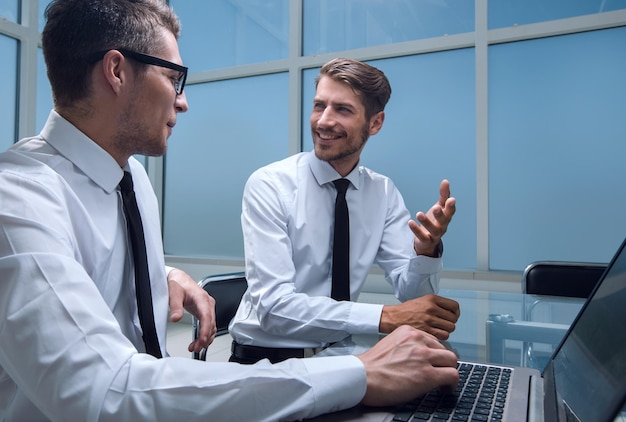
[[495, 327], [500, 328]]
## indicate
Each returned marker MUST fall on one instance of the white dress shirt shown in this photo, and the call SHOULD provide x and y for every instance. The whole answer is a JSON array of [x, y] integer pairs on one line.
[[70, 339], [287, 220]]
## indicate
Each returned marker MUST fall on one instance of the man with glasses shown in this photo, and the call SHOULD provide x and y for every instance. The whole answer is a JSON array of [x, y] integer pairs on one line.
[[84, 292]]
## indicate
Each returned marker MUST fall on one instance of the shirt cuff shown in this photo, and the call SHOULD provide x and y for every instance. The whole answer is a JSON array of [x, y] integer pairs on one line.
[[339, 382], [365, 318], [422, 264]]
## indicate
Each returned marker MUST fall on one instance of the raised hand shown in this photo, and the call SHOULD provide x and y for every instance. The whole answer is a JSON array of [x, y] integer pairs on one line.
[[430, 227]]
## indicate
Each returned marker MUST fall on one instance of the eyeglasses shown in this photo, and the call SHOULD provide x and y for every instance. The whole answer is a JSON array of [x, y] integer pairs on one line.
[[179, 84]]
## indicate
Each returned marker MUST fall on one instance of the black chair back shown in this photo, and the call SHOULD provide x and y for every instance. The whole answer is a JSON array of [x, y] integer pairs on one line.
[[227, 290], [569, 279]]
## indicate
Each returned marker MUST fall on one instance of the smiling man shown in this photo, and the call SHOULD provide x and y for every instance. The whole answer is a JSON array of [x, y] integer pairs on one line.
[[290, 308]]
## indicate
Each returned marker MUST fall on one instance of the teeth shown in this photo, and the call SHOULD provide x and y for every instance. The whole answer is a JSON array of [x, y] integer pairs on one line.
[[328, 137]]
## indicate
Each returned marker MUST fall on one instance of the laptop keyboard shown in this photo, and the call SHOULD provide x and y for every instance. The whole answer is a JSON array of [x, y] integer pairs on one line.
[[480, 396]]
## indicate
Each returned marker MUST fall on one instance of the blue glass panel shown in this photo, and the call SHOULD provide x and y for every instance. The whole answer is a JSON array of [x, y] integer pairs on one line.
[[557, 119], [9, 10], [336, 25], [225, 33], [42, 8], [503, 13], [232, 128], [429, 134], [8, 87], [44, 92]]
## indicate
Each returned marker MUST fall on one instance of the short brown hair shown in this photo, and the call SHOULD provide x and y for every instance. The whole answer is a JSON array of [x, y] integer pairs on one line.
[[77, 29], [368, 82]]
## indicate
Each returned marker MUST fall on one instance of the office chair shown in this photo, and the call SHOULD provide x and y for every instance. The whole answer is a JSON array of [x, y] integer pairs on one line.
[[227, 290], [561, 278], [556, 278], [541, 278]]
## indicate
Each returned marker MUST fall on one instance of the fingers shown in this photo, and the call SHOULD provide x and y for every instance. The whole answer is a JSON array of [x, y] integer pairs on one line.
[[424, 243], [445, 200], [414, 360], [446, 378], [438, 217], [202, 342], [440, 329], [430, 227], [176, 298], [204, 311], [444, 192], [433, 314], [206, 334], [185, 294], [450, 305], [443, 317]]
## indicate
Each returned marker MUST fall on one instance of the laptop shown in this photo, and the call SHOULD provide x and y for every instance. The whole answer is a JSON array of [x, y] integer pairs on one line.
[[584, 381]]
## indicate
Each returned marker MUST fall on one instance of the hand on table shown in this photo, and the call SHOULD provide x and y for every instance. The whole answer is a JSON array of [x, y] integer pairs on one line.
[[433, 314]]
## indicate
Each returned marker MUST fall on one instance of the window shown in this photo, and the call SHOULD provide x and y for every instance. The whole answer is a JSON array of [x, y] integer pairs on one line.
[[338, 25], [225, 33], [232, 128], [9, 10], [557, 114], [8, 87], [503, 13]]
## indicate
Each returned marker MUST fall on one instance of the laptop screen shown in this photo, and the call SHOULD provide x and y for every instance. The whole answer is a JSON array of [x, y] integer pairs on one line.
[[590, 364]]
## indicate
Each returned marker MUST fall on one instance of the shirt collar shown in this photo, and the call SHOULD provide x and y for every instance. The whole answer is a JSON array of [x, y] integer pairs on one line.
[[325, 173], [80, 150]]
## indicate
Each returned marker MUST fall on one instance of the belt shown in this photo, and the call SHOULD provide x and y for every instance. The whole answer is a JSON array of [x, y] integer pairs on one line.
[[274, 354]]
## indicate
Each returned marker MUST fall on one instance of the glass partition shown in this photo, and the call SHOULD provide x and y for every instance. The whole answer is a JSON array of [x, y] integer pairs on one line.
[[232, 128], [225, 33], [42, 8], [557, 121], [44, 92], [337, 25], [8, 87], [9, 10], [504, 13]]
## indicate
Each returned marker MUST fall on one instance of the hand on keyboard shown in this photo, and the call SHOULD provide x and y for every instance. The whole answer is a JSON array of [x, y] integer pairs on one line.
[[406, 364]]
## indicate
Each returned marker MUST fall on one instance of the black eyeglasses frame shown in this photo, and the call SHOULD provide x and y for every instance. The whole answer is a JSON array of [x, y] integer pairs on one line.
[[147, 59]]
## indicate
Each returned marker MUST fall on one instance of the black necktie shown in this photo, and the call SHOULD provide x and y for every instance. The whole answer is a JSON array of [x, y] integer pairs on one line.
[[142, 278], [341, 244]]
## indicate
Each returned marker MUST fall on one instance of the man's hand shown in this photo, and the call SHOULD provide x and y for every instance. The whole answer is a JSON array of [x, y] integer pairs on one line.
[[434, 224], [434, 314], [185, 293], [406, 364]]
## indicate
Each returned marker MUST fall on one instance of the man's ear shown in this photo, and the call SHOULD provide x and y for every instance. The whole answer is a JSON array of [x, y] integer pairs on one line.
[[376, 122], [114, 68]]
